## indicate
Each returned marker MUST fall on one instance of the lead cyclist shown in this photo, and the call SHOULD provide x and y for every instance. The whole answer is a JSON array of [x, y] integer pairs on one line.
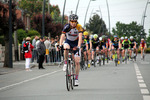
[[73, 32]]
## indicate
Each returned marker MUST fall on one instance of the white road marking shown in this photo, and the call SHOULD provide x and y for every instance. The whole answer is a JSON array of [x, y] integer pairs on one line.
[[138, 74], [142, 85], [140, 81], [139, 77], [146, 97], [2, 88], [144, 91]]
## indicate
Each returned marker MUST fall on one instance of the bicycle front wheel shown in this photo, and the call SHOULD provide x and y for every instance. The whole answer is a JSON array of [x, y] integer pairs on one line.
[[68, 77]]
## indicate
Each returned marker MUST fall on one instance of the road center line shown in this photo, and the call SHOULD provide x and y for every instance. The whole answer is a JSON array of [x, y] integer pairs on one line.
[[2, 88]]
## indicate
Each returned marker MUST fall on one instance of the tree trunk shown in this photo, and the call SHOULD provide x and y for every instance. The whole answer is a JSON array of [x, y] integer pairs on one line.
[[6, 59]]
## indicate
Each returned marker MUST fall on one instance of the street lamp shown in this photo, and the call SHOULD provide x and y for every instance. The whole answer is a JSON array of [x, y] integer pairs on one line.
[[63, 12], [145, 13], [77, 7], [108, 16], [87, 11]]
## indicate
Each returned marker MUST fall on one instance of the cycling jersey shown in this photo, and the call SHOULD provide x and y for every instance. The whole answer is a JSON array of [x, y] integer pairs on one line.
[[115, 43], [85, 41], [72, 33], [143, 44], [108, 41], [132, 43], [104, 43], [95, 43], [126, 44]]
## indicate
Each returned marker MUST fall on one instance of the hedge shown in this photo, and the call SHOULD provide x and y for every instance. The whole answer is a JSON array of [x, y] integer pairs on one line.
[[147, 50]]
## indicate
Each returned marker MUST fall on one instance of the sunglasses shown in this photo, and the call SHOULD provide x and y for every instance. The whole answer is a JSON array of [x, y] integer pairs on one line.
[[73, 21]]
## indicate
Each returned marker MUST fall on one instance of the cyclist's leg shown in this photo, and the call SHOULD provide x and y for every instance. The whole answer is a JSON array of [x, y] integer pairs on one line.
[[66, 46], [118, 53], [141, 52]]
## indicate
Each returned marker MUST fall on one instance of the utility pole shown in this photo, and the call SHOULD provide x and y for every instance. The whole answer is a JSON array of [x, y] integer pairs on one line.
[[77, 7], [108, 15]]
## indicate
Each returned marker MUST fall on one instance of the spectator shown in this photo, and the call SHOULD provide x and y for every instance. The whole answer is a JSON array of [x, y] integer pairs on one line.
[[58, 57], [34, 52], [41, 49], [24, 40], [52, 50], [28, 53], [37, 42], [47, 45]]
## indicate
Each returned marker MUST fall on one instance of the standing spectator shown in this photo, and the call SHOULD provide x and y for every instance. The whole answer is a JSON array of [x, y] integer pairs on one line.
[[52, 50], [37, 42], [47, 45], [24, 40], [27, 46], [41, 49], [34, 52]]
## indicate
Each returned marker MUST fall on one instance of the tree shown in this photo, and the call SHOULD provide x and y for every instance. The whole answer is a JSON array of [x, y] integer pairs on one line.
[[33, 7], [96, 25], [148, 39], [132, 29], [4, 27]]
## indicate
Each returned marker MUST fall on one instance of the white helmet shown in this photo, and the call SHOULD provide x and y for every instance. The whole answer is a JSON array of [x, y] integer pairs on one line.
[[100, 38], [131, 37], [142, 39], [91, 36], [126, 37], [122, 38]]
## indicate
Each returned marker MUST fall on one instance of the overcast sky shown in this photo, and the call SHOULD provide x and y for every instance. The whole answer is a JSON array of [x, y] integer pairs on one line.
[[124, 11]]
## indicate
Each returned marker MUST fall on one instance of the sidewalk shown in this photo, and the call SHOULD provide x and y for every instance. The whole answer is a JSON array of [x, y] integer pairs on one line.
[[20, 65]]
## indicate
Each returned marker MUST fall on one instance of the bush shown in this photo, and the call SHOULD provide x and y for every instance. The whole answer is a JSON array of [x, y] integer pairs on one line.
[[147, 50], [2, 40], [21, 34], [32, 33]]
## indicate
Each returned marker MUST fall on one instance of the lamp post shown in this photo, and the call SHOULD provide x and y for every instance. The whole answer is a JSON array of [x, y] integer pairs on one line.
[[43, 20], [108, 15], [10, 34], [63, 13], [77, 7], [87, 11], [143, 18]]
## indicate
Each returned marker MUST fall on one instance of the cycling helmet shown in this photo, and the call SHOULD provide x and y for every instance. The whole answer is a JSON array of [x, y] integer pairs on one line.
[[115, 36], [142, 39], [103, 37], [122, 38], [73, 17], [91, 36], [85, 33], [95, 36], [100, 38], [131, 37], [126, 37]]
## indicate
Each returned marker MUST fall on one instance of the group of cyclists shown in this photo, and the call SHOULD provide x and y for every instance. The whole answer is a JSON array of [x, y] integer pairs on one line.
[[78, 39]]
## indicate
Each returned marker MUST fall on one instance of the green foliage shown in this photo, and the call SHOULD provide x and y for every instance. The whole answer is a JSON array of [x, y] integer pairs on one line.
[[21, 34], [2, 40], [132, 29], [96, 25], [148, 40], [33, 33], [147, 50]]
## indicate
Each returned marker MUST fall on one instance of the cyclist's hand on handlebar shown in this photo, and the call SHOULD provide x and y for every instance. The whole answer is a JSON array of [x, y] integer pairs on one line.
[[60, 47]]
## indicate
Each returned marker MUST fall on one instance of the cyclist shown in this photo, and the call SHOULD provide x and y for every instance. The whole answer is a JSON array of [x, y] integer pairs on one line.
[[115, 45], [143, 46], [86, 41], [121, 45], [133, 44], [94, 43], [104, 43], [73, 32], [109, 46], [126, 45]]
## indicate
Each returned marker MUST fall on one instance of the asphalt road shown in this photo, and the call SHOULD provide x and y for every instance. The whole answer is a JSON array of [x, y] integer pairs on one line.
[[129, 81]]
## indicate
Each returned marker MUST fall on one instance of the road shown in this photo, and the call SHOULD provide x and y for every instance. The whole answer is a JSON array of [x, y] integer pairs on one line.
[[129, 81]]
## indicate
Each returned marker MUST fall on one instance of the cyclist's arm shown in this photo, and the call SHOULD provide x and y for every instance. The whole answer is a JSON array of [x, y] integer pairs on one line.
[[90, 44], [61, 39], [80, 40]]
